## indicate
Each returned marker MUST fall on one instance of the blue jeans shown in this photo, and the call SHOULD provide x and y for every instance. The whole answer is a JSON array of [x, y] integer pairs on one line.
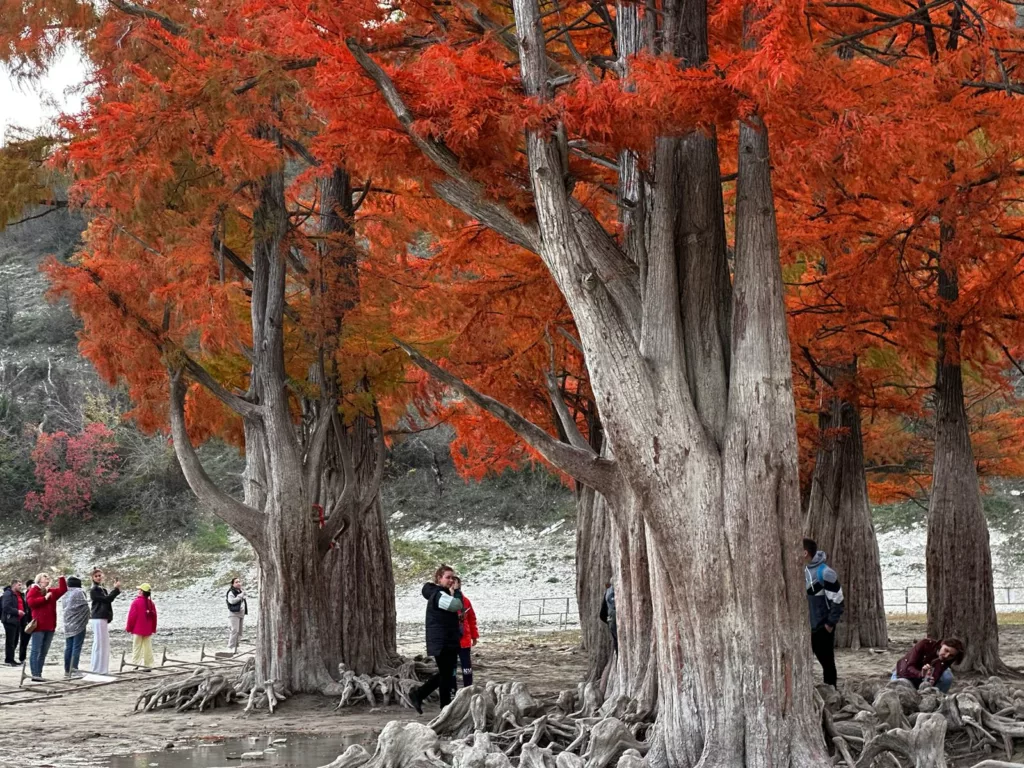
[[944, 683], [72, 651], [41, 640]]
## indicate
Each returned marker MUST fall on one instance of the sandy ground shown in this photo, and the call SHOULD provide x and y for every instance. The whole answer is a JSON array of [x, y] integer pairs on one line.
[[83, 727]]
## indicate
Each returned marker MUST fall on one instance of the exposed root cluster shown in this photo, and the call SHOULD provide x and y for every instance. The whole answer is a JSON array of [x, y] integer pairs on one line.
[[207, 689], [882, 723], [873, 724], [393, 686], [498, 726]]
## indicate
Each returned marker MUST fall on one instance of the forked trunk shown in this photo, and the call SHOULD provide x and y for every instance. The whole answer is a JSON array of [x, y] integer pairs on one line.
[[839, 519], [961, 599], [593, 572]]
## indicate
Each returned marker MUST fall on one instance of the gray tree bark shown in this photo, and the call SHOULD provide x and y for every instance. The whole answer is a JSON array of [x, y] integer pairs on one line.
[[961, 598], [705, 459], [839, 519], [593, 571], [326, 587]]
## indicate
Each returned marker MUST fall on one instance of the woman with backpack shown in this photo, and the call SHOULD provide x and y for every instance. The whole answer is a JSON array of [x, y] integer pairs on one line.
[[142, 626], [238, 609]]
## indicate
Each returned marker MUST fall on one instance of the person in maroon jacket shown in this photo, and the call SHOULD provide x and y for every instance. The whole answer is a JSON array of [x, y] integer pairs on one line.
[[470, 634], [929, 662], [43, 602]]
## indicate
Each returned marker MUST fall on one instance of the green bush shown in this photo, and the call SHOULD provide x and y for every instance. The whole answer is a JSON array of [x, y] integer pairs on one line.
[[212, 537]]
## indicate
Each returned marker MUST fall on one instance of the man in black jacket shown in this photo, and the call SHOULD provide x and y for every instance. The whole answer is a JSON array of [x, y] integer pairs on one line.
[[12, 613]]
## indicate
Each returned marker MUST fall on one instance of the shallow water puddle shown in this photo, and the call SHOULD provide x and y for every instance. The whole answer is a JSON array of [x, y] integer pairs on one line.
[[254, 752]]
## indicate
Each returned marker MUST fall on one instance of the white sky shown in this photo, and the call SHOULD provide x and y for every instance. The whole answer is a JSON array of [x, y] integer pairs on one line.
[[35, 105]]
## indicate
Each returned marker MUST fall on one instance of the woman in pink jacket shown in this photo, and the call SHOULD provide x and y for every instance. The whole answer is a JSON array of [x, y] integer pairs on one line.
[[142, 626]]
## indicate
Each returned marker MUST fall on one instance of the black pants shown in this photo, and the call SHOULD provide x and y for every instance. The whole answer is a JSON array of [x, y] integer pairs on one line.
[[12, 632], [823, 643], [444, 679], [466, 662], [23, 646]]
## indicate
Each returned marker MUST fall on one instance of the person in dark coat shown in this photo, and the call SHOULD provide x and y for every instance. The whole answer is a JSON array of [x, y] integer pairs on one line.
[[12, 614], [25, 636], [929, 662], [443, 637]]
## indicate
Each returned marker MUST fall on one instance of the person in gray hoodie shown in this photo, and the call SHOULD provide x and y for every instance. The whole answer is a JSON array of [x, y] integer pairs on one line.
[[76, 619], [825, 608]]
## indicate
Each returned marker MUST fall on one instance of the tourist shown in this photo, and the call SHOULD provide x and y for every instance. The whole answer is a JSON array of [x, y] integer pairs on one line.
[[25, 621], [142, 626], [608, 614], [43, 602], [929, 662], [76, 619], [12, 612], [238, 609], [442, 624], [470, 634], [102, 614], [825, 606]]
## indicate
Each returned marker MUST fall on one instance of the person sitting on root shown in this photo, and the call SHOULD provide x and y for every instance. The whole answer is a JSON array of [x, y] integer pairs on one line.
[[142, 626], [470, 634], [929, 662], [443, 637]]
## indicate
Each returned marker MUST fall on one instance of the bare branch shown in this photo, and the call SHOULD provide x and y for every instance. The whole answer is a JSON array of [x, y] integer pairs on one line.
[[584, 465], [243, 518], [238, 404], [572, 431], [148, 13], [460, 189]]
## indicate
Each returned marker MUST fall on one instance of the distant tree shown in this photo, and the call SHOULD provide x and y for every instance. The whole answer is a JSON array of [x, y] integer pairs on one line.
[[70, 469]]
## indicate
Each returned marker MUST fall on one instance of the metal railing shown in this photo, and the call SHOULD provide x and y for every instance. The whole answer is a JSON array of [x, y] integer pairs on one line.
[[1008, 598], [560, 611]]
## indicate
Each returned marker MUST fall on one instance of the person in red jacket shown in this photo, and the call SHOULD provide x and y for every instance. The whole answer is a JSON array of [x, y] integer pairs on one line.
[[142, 626], [43, 602], [470, 634]]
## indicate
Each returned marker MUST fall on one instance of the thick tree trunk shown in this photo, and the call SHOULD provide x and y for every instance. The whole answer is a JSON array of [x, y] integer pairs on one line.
[[361, 600], [711, 497], [839, 519], [593, 571], [318, 605], [634, 670], [961, 599]]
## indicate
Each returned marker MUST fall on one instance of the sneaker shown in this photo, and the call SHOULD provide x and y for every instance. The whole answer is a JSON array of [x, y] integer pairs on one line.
[[37, 679]]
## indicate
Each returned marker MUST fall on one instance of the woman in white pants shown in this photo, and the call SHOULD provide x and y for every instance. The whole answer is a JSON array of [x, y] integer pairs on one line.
[[237, 611], [102, 615]]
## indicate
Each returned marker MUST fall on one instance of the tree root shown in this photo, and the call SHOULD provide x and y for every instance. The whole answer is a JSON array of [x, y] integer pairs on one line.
[[393, 686], [213, 688], [873, 724]]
